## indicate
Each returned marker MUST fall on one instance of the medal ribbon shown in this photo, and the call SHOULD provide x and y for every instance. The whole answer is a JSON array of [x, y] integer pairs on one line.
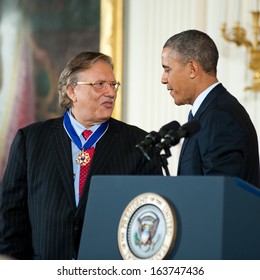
[[98, 133]]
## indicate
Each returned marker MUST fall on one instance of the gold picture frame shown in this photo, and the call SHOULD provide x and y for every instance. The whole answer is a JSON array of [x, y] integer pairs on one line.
[[111, 42], [37, 50]]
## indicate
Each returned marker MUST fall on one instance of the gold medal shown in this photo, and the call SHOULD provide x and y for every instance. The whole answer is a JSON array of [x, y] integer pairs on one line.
[[83, 158]]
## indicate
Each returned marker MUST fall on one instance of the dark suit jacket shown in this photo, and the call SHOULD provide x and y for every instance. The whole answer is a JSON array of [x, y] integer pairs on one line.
[[38, 215], [226, 143]]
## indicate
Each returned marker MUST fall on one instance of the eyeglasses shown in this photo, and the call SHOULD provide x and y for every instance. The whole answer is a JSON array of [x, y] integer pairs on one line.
[[99, 86]]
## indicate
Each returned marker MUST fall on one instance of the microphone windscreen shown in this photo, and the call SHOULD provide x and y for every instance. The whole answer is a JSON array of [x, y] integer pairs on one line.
[[174, 125], [191, 127]]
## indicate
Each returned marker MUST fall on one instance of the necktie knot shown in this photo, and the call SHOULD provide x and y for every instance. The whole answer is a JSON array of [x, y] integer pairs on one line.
[[86, 133], [190, 116]]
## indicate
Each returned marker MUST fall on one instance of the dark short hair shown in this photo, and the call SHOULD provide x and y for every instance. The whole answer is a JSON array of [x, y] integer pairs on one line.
[[68, 76], [195, 45]]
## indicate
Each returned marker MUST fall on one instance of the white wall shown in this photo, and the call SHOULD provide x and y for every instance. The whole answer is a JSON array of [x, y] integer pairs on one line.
[[148, 24]]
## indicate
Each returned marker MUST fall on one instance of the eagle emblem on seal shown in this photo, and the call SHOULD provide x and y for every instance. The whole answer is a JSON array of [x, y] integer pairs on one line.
[[146, 237]]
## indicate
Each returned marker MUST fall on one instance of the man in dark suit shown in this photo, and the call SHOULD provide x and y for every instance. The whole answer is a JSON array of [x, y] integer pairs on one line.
[[227, 141], [45, 187]]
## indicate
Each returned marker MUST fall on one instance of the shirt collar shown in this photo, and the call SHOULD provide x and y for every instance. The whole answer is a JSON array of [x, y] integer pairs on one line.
[[201, 97], [78, 127]]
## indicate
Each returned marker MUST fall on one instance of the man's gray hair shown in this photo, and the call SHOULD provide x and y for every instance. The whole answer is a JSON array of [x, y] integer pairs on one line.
[[195, 45]]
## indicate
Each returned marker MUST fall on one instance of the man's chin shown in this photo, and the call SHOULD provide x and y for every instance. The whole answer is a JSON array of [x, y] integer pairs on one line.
[[177, 102], [105, 117]]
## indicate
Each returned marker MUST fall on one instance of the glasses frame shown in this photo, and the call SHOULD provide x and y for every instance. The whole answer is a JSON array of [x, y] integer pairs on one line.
[[114, 85]]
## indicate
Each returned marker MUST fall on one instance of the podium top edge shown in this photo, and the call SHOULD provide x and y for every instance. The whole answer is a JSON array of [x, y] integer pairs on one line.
[[235, 180]]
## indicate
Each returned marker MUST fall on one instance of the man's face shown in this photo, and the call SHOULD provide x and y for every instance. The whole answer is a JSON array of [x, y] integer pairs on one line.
[[176, 76], [89, 106]]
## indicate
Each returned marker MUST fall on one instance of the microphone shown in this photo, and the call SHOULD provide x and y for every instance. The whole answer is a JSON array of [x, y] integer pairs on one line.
[[173, 137], [154, 137]]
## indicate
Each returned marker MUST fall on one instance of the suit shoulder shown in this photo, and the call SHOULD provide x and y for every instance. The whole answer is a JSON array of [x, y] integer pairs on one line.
[[120, 125], [43, 124]]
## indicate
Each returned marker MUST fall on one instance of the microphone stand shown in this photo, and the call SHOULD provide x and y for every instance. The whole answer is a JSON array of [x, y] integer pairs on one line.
[[163, 157], [164, 162]]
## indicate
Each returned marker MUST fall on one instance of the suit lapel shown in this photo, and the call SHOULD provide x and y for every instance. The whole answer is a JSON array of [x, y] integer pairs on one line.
[[203, 107], [61, 145], [104, 151]]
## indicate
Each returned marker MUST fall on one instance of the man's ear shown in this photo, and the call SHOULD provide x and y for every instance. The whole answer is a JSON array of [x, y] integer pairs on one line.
[[193, 68], [71, 93]]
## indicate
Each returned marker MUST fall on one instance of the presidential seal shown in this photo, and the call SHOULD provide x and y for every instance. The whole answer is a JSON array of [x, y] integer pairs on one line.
[[147, 228]]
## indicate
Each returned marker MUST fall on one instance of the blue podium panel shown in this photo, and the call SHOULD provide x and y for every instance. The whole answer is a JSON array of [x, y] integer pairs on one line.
[[217, 217]]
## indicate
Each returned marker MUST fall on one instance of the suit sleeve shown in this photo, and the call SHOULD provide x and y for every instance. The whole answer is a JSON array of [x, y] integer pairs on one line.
[[15, 231]]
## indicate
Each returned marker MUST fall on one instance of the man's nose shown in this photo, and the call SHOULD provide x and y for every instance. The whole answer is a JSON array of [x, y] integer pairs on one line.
[[164, 79], [109, 91]]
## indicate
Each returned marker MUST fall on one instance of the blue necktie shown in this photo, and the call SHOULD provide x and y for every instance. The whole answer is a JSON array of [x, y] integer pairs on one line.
[[190, 117]]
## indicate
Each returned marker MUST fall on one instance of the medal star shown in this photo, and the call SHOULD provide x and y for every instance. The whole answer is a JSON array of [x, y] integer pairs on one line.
[[83, 158]]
